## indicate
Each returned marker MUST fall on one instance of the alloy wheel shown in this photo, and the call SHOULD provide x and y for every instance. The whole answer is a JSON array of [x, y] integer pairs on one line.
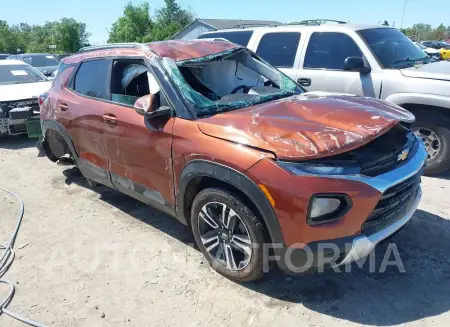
[[225, 236], [430, 140]]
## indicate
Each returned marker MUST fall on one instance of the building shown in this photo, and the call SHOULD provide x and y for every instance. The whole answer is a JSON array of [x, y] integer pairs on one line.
[[200, 26]]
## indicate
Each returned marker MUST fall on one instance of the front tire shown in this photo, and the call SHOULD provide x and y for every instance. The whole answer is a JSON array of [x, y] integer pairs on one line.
[[433, 128], [229, 234]]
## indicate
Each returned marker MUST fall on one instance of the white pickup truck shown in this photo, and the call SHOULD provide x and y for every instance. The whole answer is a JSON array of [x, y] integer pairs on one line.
[[365, 60]]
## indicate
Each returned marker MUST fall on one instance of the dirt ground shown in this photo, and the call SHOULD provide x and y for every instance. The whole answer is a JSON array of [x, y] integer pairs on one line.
[[95, 257]]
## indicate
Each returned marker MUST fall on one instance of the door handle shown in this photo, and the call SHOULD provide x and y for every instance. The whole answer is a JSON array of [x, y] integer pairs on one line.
[[304, 81], [63, 107], [110, 119]]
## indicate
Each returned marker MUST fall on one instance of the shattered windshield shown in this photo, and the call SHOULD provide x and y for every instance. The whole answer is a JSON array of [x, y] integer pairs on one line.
[[228, 80]]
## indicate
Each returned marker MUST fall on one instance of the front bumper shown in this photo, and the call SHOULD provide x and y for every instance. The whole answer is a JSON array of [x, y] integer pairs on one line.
[[363, 245], [328, 253], [322, 255]]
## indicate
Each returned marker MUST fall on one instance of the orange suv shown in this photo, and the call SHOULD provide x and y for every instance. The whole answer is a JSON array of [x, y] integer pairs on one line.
[[214, 136]]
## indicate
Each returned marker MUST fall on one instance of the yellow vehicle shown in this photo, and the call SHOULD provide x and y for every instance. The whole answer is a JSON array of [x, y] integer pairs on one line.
[[445, 53]]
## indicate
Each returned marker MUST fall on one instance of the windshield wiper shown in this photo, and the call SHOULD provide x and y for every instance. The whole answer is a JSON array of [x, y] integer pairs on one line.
[[425, 60]]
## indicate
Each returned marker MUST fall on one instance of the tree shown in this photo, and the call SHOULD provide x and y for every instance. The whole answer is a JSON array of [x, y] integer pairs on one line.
[[70, 35], [386, 23], [172, 13], [169, 20], [136, 24], [133, 25]]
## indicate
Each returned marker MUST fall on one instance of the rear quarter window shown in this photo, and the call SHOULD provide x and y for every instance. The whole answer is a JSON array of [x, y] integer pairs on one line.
[[239, 37]]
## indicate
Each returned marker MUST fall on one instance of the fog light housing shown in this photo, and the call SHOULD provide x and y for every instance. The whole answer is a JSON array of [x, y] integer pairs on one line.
[[327, 208]]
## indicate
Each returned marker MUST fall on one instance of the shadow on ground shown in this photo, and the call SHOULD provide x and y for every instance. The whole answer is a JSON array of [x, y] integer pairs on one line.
[[444, 175], [360, 296], [133, 207], [17, 142]]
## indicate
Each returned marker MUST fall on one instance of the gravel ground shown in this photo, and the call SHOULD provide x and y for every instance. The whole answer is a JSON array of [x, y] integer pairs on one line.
[[95, 257]]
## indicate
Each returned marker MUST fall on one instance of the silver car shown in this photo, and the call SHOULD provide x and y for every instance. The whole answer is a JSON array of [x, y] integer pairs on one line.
[[46, 63]]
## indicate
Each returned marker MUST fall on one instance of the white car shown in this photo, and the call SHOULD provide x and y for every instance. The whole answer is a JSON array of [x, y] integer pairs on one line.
[[429, 51], [20, 87]]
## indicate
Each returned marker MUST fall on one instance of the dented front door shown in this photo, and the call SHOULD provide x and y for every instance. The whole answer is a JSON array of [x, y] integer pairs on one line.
[[139, 155]]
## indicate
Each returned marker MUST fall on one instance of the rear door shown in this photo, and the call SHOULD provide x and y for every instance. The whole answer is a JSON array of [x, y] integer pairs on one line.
[[280, 49], [323, 66], [81, 112]]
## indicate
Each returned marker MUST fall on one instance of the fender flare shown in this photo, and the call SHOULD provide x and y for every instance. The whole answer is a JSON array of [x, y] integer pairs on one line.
[[420, 99], [205, 168], [54, 125]]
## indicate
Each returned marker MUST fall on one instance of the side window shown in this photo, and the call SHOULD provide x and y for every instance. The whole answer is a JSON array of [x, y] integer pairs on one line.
[[91, 79], [130, 80], [279, 49], [60, 72], [328, 50], [241, 38]]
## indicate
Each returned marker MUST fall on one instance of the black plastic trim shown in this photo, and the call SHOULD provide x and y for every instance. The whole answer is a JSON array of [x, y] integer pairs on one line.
[[142, 193], [205, 168]]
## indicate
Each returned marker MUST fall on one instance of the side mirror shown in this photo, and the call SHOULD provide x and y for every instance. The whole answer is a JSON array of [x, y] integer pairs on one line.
[[356, 64], [148, 106]]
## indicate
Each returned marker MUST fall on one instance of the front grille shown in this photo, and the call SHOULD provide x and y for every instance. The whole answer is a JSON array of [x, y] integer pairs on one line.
[[6, 107], [393, 205], [382, 154]]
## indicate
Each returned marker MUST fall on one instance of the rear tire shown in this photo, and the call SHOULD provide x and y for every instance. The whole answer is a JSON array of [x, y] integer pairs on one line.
[[433, 128], [235, 250]]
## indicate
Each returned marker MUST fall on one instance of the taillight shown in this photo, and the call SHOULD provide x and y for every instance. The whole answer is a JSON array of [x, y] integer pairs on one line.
[[42, 98]]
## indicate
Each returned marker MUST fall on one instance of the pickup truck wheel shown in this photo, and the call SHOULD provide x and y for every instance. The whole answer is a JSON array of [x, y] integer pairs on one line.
[[229, 234], [434, 131]]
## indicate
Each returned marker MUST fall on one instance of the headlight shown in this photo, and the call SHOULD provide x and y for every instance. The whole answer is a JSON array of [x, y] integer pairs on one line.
[[322, 168], [327, 208]]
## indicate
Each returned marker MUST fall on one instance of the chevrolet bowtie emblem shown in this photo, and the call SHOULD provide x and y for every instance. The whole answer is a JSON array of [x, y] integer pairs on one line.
[[402, 156]]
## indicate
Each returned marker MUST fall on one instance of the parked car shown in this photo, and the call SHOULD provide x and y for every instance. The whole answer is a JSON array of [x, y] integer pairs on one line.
[[366, 60], [20, 86], [46, 63], [432, 44], [63, 55], [445, 52], [433, 53], [236, 149], [4, 56]]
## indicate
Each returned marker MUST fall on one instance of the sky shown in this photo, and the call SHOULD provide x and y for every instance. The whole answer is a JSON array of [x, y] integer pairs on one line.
[[100, 14]]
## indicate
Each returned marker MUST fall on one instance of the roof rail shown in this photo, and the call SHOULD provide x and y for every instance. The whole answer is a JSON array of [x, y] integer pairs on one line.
[[250, 25], [319, 22], [113, 46], [218, 39]]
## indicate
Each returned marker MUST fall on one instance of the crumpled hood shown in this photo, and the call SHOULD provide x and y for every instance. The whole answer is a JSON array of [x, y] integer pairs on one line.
[[436, 70], [307, 126]]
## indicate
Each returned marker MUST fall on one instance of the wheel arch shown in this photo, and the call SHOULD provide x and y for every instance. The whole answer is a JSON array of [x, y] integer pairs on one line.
[[200, 174], [415, 100], [51, 128], [416, 108]]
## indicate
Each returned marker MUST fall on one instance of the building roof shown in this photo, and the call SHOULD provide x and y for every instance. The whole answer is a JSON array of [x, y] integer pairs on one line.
[[230, 23]]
